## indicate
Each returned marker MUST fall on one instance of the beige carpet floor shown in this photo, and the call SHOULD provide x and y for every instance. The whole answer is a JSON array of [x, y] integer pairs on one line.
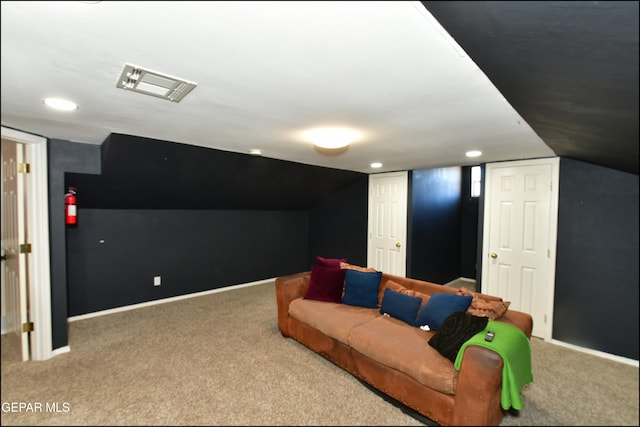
[[220, 360]]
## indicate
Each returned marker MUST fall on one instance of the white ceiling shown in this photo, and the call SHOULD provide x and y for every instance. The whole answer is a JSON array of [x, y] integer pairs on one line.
[[265, 71]]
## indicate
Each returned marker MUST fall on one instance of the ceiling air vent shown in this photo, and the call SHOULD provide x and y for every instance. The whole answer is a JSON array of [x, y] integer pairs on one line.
[[155, 84]]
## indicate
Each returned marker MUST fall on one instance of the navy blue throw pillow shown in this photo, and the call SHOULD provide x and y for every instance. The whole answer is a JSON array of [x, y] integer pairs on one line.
[[361, 288], [439, 307], [401, 306]]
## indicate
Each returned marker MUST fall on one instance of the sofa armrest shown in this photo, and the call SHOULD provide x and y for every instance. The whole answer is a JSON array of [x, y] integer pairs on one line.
[[479, 388], [288, 288]]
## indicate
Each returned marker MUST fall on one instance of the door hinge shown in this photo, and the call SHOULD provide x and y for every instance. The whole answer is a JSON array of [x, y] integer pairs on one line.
[[27, 327], [24, 168], [25, 248]]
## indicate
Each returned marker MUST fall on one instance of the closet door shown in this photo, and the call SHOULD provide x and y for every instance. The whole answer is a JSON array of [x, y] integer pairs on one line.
[[520, 220], [386, 247]]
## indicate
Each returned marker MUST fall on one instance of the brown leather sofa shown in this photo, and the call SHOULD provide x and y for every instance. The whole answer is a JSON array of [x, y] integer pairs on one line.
[[394, 357]]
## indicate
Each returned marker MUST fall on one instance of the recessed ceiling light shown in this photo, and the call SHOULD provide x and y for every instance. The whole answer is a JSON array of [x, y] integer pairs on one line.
[[473, 153], [60, 104], [331, 137], [376, 165], [255, 152]]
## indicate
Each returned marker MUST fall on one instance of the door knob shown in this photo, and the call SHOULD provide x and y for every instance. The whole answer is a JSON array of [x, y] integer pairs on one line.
[[493, 255], [398, 245]]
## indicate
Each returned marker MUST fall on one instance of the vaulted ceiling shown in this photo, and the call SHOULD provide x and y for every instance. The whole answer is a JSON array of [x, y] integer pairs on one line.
[[570, 69], [423, 81]]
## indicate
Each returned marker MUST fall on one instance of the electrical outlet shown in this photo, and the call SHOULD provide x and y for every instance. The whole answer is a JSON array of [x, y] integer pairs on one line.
[[157, 281]]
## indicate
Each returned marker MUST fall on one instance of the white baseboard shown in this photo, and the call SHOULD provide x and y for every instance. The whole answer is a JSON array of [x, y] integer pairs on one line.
[[60, 350], [602, 354], [66, 349], [165, 300], [460, 279]]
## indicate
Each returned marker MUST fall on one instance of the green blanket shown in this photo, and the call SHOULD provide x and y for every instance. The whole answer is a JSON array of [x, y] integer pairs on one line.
[[514, 347]]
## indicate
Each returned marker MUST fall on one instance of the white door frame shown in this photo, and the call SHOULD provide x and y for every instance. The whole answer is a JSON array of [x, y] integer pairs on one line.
[[14, 233], [553, 231], [39, 273]]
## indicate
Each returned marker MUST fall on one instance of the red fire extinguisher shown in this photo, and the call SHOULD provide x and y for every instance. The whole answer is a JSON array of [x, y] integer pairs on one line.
[[71, 210]]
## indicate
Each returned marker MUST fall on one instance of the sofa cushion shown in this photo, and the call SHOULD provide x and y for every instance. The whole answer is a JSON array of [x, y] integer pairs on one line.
[[347, 266], [393, 343], [361, 288], [326, 284], [439, 307], [333, 320], [401, 306], [493, 309]]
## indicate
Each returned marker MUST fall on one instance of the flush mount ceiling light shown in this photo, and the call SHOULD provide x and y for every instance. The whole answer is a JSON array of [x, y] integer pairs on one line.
[[473, 153], [331, 138], [60, 104], [149, 82]]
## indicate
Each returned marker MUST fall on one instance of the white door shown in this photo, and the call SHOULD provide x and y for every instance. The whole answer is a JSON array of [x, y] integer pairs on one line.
[[386, 247], [520, 219], [13, 235]]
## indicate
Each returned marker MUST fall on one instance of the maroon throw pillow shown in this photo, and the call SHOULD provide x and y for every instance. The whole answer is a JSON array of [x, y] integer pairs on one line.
[[325, 284], [330, 262]]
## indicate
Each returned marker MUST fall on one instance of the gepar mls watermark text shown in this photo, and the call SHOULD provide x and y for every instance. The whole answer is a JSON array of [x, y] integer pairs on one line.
[[31, 407]]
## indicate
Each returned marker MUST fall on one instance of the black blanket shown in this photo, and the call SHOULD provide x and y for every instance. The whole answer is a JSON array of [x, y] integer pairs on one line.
[[454, 331]]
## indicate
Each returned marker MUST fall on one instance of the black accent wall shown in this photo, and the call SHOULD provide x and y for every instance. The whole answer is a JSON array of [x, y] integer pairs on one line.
[[596, 292], [338, 225], [444, 225], [115, 253], [200, 219], [145, 173], [63, 156], [110, 258]]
